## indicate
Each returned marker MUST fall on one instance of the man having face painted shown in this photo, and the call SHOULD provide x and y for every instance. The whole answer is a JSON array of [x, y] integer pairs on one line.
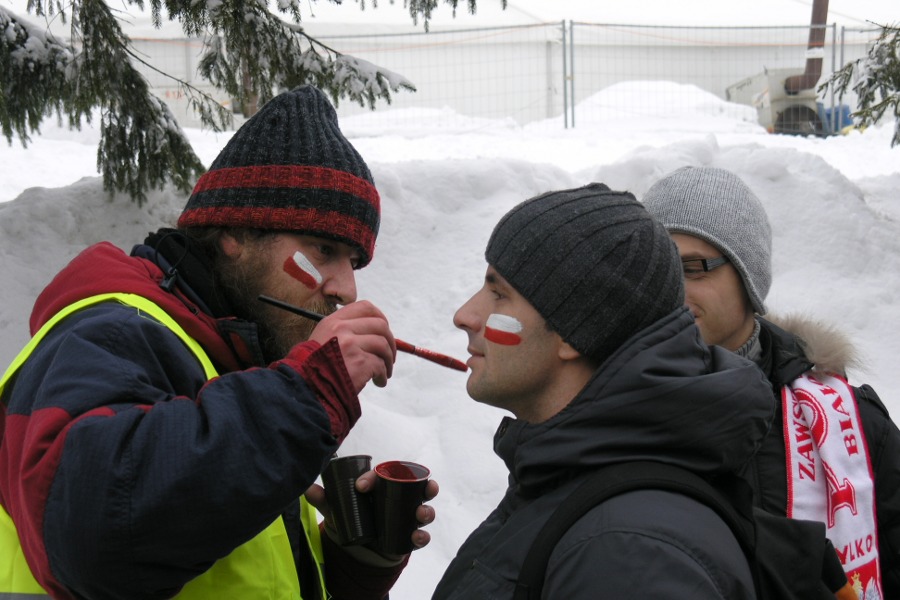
[[159, 431], [580, 332]]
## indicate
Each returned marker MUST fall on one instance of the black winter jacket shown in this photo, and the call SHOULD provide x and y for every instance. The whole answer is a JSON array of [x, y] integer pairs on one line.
[[663, 396], [788, 353]]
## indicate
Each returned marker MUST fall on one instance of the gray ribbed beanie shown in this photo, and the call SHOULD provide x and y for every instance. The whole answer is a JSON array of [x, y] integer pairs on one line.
[[593, 262], [716, 206]]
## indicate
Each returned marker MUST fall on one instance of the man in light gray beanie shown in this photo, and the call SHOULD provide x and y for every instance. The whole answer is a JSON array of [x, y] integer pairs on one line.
[[724, 239], [738, 226], [579, 331]]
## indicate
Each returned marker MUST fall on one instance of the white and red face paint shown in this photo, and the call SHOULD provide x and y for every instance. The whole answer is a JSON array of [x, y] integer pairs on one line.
[[299, 267], [503, 329]]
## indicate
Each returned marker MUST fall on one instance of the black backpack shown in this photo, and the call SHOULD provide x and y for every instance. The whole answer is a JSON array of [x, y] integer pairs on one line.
[[789, 558]]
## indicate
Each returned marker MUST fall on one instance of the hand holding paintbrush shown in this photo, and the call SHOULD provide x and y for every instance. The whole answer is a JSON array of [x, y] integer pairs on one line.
[[425, 353]]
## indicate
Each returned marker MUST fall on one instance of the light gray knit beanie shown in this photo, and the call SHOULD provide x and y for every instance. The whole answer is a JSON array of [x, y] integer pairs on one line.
[[716, 206], [592, 262]]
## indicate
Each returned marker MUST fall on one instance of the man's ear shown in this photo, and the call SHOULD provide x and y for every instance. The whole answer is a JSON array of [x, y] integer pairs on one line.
[[231, 246], [578, 366], [567, 352]]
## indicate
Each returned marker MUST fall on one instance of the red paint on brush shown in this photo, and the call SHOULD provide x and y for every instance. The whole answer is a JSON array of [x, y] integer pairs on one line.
[[299, 267]]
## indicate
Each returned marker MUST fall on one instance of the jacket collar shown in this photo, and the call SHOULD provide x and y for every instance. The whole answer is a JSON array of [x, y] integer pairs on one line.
[[782, 358], [102, 268]]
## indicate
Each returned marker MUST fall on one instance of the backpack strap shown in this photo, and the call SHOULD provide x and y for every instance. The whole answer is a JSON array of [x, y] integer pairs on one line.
[[614, 480]]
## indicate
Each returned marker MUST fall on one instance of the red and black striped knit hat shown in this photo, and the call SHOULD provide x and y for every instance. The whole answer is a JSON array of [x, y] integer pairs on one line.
[[290, 168]]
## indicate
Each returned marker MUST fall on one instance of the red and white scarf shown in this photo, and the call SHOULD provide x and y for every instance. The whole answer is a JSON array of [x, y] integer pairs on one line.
[[830, 474]]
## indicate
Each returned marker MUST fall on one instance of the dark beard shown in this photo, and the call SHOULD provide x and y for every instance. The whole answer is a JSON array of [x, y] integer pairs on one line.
[[241, 282], [279, 333]]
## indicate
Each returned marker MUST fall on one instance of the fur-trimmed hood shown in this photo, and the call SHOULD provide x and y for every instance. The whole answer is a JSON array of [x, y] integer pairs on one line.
[[824, 345]]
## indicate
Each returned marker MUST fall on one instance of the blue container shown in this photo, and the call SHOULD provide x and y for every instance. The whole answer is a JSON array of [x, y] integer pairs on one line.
[[841, 116]]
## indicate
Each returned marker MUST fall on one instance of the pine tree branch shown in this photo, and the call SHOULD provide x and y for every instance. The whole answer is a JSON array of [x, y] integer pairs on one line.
[[212, 113], [276, 55], [875, 78], [250, 53], [37, 81]]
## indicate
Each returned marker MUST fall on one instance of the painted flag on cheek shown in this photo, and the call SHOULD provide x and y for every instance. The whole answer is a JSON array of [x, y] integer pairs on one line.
[[299, 267], [503, 329]]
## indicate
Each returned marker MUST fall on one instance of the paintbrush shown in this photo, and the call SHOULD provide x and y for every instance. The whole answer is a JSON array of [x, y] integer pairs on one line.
[[435, 357]]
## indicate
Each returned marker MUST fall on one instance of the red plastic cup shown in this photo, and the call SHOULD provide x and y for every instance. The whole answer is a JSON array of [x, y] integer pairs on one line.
[[399, 491]]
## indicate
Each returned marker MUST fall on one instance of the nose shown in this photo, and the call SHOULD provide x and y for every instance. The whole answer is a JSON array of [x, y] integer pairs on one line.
[[466, 317], [340, 284]]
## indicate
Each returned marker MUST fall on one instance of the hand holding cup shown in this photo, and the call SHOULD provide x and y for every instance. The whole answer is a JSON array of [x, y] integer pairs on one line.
[[397, 516]]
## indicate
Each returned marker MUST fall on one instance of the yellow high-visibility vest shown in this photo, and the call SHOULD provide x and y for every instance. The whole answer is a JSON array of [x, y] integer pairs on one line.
[[262, 568]]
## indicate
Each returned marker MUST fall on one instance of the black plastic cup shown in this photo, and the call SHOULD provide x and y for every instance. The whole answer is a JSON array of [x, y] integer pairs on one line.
[[351, 511], [399, 491]]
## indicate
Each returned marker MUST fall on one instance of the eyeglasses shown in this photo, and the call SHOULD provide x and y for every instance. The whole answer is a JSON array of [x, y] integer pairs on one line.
[[696, 267]]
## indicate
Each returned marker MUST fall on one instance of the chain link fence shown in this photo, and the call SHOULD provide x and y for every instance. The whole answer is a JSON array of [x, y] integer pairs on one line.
[[545, 71]]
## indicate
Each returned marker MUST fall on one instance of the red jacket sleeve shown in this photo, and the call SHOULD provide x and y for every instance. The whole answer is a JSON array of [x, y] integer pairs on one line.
[[323, 370]]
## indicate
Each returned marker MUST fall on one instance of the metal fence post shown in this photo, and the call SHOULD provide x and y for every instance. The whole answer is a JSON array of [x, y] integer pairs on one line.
[[843, 41], [562, 26], [833, 119], [572, 68]]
